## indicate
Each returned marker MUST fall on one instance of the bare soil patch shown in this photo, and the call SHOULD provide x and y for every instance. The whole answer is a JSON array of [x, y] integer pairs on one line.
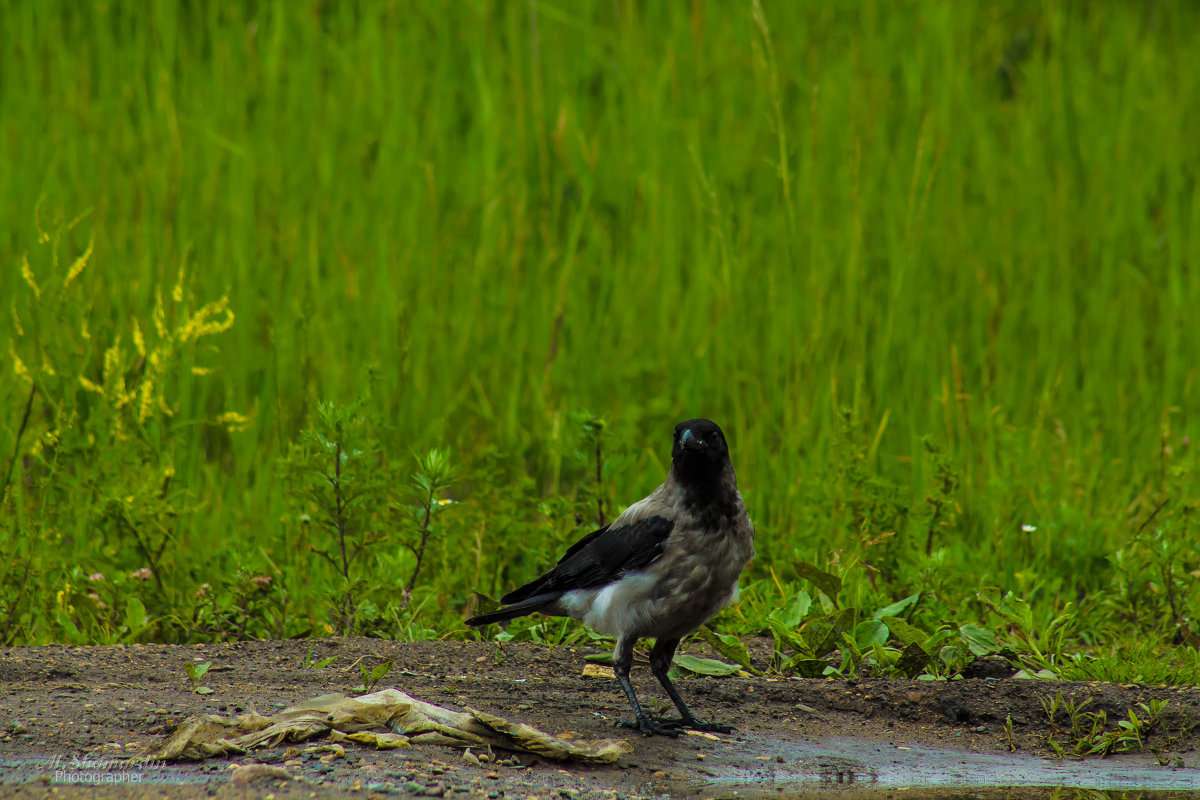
[[61, 705]]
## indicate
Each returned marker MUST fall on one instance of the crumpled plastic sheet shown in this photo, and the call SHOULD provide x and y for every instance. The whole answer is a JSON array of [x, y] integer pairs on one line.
[[387, 718]]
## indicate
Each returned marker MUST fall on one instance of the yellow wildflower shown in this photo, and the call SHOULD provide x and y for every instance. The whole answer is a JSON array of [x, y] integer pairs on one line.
[[63, 594], [27, 274], [146, 401], [79, 263], [234, 421], [139, 341], [19, 367], [114, 380], [177, 292], [124, 397], [202, 323], [159, 316]]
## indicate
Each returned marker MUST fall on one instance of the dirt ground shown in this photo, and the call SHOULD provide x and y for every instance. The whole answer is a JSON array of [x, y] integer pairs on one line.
[[62, 706]]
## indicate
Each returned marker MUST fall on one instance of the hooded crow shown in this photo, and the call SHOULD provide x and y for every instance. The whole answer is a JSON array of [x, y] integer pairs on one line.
[[661, 569]]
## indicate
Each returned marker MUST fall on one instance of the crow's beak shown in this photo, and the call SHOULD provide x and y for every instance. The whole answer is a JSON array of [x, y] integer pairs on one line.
[[690, 441]]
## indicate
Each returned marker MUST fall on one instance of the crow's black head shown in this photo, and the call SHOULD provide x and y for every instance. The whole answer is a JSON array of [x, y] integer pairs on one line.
[[700, 450]]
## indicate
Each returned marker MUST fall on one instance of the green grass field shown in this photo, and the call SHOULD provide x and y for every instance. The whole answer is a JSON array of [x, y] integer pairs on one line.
[[933, 266]]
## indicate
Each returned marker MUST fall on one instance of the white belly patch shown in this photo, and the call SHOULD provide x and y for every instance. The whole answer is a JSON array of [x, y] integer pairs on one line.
[[619, 607]]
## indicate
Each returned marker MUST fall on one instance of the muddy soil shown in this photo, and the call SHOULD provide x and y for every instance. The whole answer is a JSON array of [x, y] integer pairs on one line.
[[67, 710]]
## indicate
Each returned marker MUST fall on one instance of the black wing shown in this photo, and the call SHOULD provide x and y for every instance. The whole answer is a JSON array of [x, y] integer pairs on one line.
[[601, 557]]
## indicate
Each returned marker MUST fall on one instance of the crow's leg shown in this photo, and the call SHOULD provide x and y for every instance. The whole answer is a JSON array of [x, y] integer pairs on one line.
[[660, 664], [622, 663]]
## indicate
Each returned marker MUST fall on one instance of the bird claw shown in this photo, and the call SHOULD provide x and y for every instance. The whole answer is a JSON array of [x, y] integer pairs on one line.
[[653, 726], [673, 726], [708, 727]]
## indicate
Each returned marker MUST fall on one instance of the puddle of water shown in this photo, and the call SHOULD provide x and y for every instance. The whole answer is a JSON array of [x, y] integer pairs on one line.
[[1018, 793], [765, 767], [784, 768]]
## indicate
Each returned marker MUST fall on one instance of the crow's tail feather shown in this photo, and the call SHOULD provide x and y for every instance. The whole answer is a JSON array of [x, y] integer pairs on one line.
[[535, 603]]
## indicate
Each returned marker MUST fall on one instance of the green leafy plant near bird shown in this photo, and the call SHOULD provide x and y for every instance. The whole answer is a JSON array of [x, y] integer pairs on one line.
[[246, 371]]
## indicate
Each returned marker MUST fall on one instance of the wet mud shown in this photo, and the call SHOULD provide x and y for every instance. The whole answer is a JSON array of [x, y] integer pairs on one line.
[[71, 719]]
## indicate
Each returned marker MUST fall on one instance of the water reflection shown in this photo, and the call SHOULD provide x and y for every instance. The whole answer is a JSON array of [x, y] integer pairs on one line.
[[853, 768]]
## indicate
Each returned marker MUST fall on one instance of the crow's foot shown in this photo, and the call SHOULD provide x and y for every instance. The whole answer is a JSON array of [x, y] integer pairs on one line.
[[694, 724], [653, 726], [673, 726]]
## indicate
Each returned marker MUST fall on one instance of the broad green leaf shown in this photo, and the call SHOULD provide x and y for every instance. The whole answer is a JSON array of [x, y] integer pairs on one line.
[[794, 611], [1042, 674], [938, 637], [913, 660], [729, 646], [885, 657], [850, 650], [869, 632], [380, 671], [827, 582], [74, 635], [981, 641], [704, 666], [906, 633], [806, 667], [484, 604], [135, 615], [1016, 611], [896, 608], [952, 656], [196, 671], [785, 636], [1013, 609], [825, 633]]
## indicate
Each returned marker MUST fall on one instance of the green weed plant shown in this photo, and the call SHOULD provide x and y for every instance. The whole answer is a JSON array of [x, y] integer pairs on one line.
[[932, 269]]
